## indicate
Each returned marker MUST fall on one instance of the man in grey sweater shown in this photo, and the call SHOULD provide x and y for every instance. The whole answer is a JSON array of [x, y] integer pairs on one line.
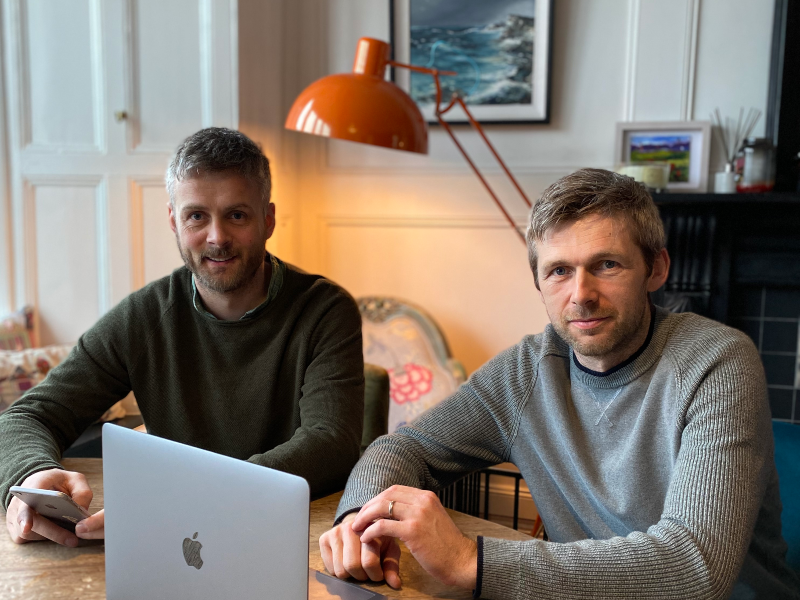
[[644, 436]]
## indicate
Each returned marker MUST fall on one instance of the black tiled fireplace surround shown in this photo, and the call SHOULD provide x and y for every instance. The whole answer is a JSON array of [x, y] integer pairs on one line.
[[736, 259]]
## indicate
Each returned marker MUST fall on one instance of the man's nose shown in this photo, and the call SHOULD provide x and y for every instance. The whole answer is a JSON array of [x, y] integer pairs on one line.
[[584, 291], [217, 233]]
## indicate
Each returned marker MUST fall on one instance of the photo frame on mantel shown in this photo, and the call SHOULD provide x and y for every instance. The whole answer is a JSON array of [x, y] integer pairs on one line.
[[501, 50], [686, 145]]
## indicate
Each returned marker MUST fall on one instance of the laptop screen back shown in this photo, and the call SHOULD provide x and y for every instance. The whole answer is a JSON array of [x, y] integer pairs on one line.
[[181, 522]]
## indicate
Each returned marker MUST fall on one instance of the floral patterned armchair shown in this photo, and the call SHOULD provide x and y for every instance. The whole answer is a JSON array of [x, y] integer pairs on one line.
[[406, 341], [22, 366]]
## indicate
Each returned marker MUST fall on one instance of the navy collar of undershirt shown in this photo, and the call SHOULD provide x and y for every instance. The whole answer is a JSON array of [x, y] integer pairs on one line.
[[628, 360]]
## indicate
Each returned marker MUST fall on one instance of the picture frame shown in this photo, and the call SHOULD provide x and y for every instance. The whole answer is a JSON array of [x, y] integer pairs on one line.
[[503, 59], [684, 144]]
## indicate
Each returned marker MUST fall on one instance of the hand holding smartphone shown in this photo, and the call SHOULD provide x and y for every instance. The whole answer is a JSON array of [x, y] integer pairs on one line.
[[56, 506]]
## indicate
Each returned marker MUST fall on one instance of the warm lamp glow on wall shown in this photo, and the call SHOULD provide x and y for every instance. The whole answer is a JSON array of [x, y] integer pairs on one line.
[[363, 107]]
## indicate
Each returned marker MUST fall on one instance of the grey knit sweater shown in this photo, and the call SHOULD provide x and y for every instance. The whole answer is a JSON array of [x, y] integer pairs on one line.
[[654, 481]]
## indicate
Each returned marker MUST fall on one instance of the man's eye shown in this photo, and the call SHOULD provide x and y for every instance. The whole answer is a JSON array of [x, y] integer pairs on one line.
[[237, 216], [560, 271], [609, 264]]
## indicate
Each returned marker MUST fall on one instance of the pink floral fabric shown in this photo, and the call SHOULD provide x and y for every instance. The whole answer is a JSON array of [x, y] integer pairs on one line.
[[409, 383]]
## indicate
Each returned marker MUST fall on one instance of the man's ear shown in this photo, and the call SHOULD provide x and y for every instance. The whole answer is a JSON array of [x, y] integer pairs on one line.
[[269, 220], [660, 271], [171, 213]]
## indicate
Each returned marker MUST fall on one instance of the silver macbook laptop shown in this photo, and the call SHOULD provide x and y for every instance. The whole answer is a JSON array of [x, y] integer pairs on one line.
[[186, 523]]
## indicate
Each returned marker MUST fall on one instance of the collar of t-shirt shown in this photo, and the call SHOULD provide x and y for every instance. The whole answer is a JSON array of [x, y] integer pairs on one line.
[[275, 284], [627, 361]]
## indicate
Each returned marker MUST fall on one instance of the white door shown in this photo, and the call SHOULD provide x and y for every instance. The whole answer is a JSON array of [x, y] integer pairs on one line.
[[98, 94]]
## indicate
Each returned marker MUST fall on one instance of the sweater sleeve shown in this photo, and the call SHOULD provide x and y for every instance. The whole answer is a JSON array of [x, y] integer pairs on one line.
[[38, 427], [327, 444], [698, 546], [442, 445]]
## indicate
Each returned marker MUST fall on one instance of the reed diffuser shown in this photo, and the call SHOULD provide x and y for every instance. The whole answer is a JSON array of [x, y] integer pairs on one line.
[[732, 135]]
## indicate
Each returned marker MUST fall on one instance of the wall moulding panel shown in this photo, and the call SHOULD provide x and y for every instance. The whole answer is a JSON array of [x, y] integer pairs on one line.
[[740, 29], [58, 83], [279, 243], [690, 59], [347, 158], [660, 88], [328, 223], [413, 222], [632, 43], [478, 285]]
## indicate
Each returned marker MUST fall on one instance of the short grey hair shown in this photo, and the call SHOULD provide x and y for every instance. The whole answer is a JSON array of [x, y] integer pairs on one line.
[[597, 192], [216, 150]]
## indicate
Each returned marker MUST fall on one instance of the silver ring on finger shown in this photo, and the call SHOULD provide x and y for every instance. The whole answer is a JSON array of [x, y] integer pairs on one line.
[[391, 509]]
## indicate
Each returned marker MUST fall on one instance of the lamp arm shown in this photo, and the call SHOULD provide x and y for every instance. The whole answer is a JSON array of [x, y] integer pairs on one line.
[[485, 183], [440, 112], [476, 124]]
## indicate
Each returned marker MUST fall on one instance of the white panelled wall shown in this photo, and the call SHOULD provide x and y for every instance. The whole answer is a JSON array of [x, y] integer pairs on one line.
[[423, 228]]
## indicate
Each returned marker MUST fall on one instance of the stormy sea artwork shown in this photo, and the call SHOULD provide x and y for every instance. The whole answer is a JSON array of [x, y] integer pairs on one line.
[[674, 149], [489, 43]]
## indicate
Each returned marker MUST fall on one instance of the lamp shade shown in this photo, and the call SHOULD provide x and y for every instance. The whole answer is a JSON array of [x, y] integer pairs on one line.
[[361, 106]]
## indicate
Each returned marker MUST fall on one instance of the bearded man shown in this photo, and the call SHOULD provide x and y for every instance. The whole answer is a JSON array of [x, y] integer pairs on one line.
[[644, 436], [237, 352]]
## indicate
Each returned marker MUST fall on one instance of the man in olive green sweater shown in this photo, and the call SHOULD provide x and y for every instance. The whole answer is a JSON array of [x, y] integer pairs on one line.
[[237, 352]]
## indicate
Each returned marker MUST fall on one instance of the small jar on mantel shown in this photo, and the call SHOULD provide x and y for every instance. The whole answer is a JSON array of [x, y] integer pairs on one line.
[[758, 174], [725, 181]]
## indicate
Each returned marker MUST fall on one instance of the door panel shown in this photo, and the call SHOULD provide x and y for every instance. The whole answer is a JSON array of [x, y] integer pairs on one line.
[[60, 70], [166, 65], [66, 260]]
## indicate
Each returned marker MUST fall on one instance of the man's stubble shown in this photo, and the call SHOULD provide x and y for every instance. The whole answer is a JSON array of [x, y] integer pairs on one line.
[[599, 345], [246, 271]]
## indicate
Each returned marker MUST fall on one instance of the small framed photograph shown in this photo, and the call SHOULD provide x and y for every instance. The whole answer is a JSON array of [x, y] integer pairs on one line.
[[500, 49], [685, 145]]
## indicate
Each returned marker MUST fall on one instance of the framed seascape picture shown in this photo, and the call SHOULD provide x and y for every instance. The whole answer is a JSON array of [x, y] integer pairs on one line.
[[685, 145], [500, 50]]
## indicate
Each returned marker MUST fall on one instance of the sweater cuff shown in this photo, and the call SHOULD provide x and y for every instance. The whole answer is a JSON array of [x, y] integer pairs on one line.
[[499, 569], [476, 593], [344, 514], [40, 466]]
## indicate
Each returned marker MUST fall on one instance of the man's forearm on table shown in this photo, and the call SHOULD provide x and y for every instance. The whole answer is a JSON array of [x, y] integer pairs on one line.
[[323, 457], [26, 447]]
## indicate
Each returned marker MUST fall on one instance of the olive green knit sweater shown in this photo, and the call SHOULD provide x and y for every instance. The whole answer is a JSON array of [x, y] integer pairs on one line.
[[284, 389]]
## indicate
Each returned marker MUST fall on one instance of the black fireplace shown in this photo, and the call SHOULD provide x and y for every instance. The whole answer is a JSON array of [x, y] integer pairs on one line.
[[736, 259]]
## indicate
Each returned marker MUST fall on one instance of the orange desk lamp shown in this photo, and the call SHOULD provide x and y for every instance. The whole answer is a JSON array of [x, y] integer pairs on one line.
[[363, 107]]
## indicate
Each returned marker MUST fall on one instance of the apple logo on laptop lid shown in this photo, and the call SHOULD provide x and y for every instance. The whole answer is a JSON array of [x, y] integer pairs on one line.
[[191, 552]]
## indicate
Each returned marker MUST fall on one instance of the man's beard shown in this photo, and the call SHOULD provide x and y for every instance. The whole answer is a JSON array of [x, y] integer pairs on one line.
[[603, 343], [249, 263]]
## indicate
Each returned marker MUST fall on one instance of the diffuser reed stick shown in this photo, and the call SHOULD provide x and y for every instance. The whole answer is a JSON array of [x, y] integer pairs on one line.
[[731, 138]]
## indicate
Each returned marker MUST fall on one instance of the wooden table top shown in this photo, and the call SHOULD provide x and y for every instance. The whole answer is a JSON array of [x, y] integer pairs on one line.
[[47, 571]]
